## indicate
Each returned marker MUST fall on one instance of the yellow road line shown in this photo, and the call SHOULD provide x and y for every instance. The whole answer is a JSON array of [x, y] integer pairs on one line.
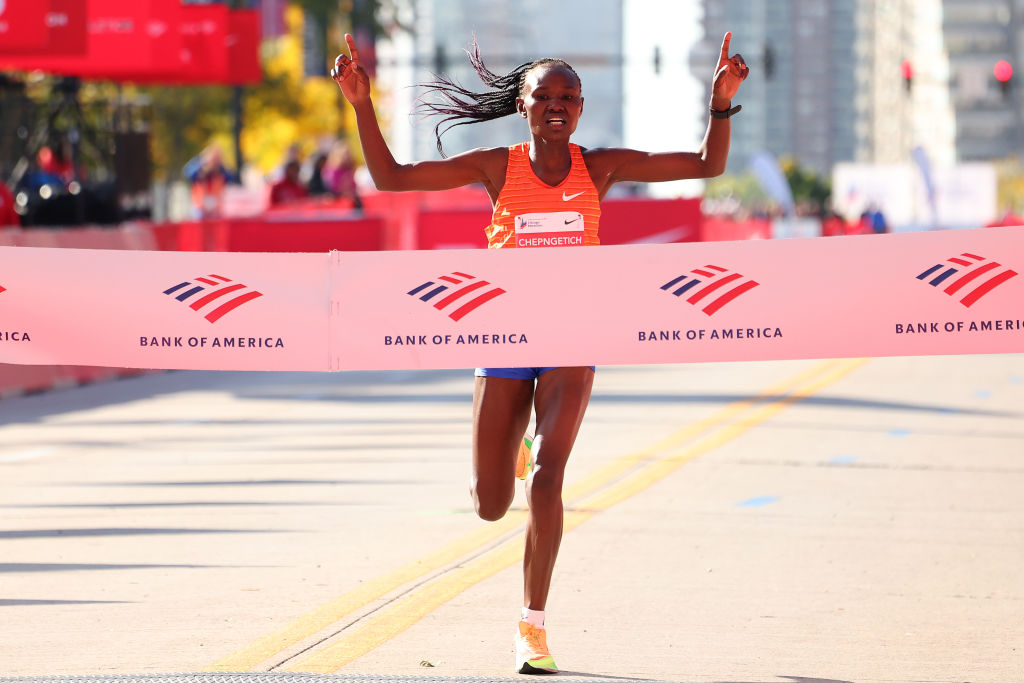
[[671, 462], [315, 621], [311, 623], [613, 469], [403, 613]]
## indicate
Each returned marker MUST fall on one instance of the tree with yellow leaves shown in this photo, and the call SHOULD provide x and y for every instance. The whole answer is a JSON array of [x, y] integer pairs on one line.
[[286, 110]]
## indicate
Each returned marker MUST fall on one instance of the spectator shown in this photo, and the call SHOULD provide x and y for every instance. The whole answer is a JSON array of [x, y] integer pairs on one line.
[[208, 176], [289, 188], [317, 185], [832, 225], [340, 174], [8, 216], [878, 222], [55, 165], [293, 153]]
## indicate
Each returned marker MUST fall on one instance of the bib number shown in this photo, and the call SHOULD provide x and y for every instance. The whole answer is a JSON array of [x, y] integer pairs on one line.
[[558, 229]]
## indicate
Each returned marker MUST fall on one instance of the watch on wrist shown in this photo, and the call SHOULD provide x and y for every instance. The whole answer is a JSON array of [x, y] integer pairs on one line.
[[725, 113]]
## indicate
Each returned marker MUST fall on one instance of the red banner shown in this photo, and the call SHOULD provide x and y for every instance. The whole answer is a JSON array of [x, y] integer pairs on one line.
[[146, 41], [23, 25], [120, 37], [62, 22], [243, 44], [198, 53], [204, 55], [66, 22], [218, 46], [139, 39]]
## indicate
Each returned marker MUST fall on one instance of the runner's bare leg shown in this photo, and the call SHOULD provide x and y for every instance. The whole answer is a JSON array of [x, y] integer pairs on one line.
[[561, 399], [501, 415]]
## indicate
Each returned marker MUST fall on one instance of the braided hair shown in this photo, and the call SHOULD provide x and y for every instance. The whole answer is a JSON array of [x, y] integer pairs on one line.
[[460, 106]]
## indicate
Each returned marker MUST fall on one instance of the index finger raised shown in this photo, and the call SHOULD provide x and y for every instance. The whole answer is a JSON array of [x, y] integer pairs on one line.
[[725, 45], [352, 47]]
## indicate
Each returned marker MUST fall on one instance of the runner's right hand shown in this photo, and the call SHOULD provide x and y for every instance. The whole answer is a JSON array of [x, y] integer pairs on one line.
[[350, 75]]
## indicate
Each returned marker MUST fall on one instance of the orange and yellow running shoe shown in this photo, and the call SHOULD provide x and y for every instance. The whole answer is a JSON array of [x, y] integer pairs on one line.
[[524, 461], [532, 656]]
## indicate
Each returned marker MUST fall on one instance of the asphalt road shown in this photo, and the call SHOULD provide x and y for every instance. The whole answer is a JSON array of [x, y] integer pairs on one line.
[[845, 520]]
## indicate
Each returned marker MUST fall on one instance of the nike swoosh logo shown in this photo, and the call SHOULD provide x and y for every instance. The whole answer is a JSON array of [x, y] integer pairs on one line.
[[566, 197], [572, 221]]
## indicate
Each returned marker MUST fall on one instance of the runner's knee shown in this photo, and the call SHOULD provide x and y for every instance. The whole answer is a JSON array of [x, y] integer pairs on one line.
[[491, 503], [546, 485]]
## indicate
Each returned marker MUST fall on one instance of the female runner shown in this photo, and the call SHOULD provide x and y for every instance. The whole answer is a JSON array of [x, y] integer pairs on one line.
[[543, 180]]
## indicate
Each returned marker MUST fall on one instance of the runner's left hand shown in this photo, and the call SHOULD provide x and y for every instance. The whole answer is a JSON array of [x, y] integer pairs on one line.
[[730, 72]]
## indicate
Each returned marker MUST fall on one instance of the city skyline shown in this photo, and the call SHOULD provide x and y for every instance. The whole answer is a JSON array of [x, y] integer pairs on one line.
[[844, 81]]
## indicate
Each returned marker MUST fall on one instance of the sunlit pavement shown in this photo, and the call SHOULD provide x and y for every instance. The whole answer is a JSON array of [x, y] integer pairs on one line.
[[739, 523]]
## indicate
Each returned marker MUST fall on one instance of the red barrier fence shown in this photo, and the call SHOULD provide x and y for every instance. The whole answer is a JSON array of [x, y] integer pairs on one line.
[[716, 229], [412, 220], [280, 234], [454, 219]]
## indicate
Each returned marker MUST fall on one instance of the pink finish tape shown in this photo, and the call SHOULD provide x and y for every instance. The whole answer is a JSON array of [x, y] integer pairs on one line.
[[934, 293]]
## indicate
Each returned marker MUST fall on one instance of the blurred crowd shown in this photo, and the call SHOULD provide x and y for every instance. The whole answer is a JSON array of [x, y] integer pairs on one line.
[[51, 175], [328, 175], [329, 178]]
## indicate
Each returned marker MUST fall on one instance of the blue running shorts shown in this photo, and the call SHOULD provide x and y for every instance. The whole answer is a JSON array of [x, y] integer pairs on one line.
[[515, 373]]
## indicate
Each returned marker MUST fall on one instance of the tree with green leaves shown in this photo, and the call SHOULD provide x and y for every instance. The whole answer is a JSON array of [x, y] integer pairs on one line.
[[809, 189]]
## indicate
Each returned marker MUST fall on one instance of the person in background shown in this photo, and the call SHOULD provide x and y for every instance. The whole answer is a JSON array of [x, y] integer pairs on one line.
[[293, 153], [340, 174], [55, 165], [317, 186], [872, 221], [8, 216], [209, 177], [289, 188]]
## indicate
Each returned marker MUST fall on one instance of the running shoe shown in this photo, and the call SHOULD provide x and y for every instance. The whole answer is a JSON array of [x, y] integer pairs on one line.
[[532, 656], [524, 461]]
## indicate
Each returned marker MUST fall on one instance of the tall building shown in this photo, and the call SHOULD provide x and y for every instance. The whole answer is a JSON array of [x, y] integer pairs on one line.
[[664, 102], [587, 34], [903, 93], [980, 33], [826, 84]]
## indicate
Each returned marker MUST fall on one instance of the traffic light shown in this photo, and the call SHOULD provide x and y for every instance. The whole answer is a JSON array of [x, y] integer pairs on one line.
[[907, 71], [1003, 71]]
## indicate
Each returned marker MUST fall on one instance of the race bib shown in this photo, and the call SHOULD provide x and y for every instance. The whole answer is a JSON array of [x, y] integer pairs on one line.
[[558, 229]]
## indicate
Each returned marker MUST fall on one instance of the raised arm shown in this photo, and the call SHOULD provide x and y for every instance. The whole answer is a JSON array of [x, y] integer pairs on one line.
[[476, 166], [609, 166]]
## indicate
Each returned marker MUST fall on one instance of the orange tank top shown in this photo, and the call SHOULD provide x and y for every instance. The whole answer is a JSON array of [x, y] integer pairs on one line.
[[531, 213]]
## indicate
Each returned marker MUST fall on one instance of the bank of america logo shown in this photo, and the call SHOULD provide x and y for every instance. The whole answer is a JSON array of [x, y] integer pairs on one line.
[[967, 276], [460, 293], [212, 295], [710, 286]]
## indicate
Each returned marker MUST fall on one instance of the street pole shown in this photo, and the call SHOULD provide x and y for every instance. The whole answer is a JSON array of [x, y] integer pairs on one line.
[[236, 110]]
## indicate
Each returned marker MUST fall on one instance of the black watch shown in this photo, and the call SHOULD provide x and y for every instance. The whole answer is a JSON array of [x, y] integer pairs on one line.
[[725, 113]]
